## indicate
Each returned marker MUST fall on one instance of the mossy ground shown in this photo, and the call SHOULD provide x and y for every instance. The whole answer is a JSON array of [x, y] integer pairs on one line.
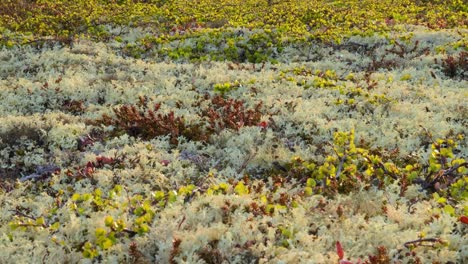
[[233, 131]]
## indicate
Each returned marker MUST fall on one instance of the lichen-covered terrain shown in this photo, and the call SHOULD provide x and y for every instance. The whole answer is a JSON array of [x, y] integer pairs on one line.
[[233, 131]]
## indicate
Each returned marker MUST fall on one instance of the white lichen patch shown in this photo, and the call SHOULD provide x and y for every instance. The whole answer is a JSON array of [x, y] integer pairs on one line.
[[237, 196]]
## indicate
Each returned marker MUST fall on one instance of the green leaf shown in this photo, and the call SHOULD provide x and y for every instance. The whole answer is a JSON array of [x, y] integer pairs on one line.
[[98, 192], [119, 225], [224, 186], [40, 221], [118, 189], [158, 195], [86, 196], [75, 197], [54, 226], [106, 243], [442, 200], [143, 228], [172, 196], [406, 77], [13, 225], [90, 253], [311, 183], [100, 232], [139, 211], [109, 221], [449, 210]]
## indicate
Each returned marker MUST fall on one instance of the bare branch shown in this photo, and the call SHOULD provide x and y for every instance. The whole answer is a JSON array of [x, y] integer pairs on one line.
[[340, 166], [419, 242]]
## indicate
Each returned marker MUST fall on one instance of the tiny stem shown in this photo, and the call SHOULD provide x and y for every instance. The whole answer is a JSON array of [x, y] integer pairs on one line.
[[419, 242]]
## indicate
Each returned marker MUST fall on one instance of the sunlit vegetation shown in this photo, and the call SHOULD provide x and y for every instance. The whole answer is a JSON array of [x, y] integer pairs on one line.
[[160, 131]]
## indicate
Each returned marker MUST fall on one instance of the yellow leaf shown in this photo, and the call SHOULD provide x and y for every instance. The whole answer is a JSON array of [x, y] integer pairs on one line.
[[75, 197], [108, 221], [100, 232], [106, 244], [40, 221], [241, 189]]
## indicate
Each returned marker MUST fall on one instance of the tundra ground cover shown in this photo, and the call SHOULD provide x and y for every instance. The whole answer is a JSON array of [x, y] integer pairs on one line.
[[214, 132]]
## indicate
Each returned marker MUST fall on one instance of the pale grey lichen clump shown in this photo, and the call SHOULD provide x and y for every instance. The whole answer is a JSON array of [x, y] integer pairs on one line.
[[36, 88]]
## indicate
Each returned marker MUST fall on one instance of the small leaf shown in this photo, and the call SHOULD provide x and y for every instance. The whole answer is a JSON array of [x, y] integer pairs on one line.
[[339, 250], [172, 196], [86, 196], [405, 77], [241, 189], [223, 186], [311, 183], [106, 244], [158, 195], [263, 124], [119, 225], [98, 192], [144, 228], [13, 225], [89, 252], [75, 197], [40, 221], [100, 232], [464, 219], [108, 221], [87, 245], [139, 211], [118, 189], [449, 209], [55, 226]]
